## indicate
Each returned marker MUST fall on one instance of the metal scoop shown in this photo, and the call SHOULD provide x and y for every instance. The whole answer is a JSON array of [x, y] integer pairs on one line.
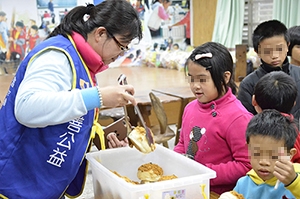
[[123, 81]]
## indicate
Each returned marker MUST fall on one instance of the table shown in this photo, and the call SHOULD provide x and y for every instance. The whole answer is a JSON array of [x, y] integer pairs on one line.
[[186, 95], [144, 104], [144, 80]]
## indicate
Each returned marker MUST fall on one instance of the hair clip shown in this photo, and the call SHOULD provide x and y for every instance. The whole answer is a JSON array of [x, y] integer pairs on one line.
[[86, 17], [199, 56], [89, 7]]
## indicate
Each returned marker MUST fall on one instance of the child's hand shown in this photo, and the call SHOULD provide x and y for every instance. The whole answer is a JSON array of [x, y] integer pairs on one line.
[[284, 171], [114, 142]]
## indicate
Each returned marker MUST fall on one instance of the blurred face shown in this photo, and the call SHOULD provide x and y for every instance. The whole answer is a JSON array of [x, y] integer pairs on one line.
[[19, 29], [265, 151], [295, 59], [33, 31], [273, 50], [32, 22], [108, 46], [201, 83], [166, 4]]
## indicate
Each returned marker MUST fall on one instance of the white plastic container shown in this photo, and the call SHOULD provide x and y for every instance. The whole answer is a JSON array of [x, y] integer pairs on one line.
[[192, 176]]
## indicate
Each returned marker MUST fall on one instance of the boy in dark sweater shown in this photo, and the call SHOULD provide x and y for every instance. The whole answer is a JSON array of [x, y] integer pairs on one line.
[[270, 42]]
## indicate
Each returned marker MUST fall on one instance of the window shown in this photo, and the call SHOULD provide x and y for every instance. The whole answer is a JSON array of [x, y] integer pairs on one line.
[[256, 11]]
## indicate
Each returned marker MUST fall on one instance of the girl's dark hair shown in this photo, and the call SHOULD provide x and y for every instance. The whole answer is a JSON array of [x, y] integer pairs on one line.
[[217, 65], [117, 16], [269, 29], [271, 123], [294, 34]]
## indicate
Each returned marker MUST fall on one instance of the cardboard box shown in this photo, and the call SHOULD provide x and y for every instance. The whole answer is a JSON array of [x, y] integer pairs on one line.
[[192, 176]]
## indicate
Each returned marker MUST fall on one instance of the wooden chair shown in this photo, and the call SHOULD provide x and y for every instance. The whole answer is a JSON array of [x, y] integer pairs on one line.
[[162, 132]]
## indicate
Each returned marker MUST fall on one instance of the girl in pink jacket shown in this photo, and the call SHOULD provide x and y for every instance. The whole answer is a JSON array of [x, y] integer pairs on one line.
[[214, 124]]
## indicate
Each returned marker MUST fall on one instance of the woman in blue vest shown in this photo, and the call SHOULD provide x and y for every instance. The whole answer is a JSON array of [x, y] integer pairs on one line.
[[47, 120]]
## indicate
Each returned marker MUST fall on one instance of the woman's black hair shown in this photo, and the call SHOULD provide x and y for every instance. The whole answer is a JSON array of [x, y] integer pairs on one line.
[[117, 16], [220, 62]]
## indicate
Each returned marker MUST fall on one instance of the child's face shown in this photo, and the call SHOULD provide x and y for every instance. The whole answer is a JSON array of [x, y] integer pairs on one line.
[[32, 22], [33, 31], [166, 4], [264, 152], [296, 53], [19, 29], [201, 83], [273, 50]]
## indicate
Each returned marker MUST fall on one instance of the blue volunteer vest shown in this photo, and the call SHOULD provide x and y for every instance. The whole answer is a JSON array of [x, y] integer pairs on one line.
[[44, 162]]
